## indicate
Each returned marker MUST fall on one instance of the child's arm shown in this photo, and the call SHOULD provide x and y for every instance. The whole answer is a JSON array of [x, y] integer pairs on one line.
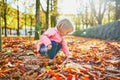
[[45, 38], [65, 47], [38, 46]]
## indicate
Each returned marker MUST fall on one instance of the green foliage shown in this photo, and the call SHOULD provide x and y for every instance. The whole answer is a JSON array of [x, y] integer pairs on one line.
[[110, 31], [11, 15], [0, 37]]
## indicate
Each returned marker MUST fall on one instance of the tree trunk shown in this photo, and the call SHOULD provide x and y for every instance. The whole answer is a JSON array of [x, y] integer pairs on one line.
[[0, 37], [37, 27], [109, 13], [5, 7], [18, 33], [98, 12], [10, 31], [0, 32], [47, 15], [25, 26], [31, 26], [86, 17], [53, 21], [117, 9], [54, 12]]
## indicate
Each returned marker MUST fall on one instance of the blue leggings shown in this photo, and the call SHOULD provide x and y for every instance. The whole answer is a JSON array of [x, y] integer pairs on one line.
[[52, 52]]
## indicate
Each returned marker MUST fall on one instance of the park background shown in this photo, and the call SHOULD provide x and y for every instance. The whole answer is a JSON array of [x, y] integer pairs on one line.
[[94, 45], [18, 17]]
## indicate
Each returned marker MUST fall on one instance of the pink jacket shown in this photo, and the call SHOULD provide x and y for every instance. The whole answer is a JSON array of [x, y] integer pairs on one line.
[[53, 34]]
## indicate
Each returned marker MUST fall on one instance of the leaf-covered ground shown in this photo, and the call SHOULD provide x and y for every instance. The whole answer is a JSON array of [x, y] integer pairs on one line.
[[89, 59]]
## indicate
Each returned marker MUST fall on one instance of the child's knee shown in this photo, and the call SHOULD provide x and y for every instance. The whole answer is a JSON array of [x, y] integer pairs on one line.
[[60, 46], [54, 43]]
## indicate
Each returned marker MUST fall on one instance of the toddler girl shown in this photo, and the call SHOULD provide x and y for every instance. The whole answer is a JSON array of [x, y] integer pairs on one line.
[[52, 40]]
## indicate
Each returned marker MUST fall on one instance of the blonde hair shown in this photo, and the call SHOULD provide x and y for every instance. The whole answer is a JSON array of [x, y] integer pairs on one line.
[[65, 23]]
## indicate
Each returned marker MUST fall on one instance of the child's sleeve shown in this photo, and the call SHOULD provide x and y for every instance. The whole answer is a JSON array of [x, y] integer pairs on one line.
[[65, 47], [45, 37]]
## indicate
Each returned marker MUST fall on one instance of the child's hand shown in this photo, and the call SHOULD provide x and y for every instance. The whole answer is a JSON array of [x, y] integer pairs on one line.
[[49, 46]]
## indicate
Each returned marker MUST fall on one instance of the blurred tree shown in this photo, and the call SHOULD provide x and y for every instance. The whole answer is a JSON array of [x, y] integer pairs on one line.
[[0, 30], [5, 21], [31, 19], [98, 10], [26, 20], [25, 17], [18, 19], [0, 37], [47, 15], [25, 24], [31, 24], [31, 16], [12, 17], [53, 12], [38, 24], [79, 21], [85, 16], [117, 9], [109, 12], [92, 21]]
